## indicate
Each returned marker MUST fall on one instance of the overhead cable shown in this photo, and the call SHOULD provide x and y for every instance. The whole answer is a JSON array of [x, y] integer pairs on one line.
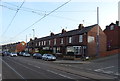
[[13, 18], [42, 18]]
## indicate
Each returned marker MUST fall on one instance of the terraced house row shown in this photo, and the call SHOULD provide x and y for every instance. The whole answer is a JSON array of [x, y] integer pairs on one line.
[[79, 42]]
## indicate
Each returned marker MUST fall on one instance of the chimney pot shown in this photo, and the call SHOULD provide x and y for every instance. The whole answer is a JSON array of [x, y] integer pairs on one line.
[[80, 26], [117, 23], [51, 33], [63, 30]]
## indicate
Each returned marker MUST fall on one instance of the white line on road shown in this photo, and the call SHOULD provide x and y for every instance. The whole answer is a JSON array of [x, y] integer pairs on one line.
[[29, 64], [103, 68], [37, 67], [52, 72], [60, 74], [25, 66], [13, 69]]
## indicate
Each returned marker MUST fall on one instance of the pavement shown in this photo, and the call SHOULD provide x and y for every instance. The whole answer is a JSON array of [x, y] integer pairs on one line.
[[71, 62], [86, 61]]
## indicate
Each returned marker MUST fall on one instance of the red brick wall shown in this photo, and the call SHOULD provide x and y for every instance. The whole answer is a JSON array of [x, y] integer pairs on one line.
[[107, 53], [113, 37], [92, 46]]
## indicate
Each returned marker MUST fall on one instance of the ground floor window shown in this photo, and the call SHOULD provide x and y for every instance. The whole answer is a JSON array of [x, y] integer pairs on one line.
[[56, 50], [70, 50], [76, 50]]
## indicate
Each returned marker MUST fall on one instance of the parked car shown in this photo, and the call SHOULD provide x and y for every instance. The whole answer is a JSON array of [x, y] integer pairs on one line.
[[6, 53], [37, 56], [13, 54], [21, 53], [26, 54], [48, 57]]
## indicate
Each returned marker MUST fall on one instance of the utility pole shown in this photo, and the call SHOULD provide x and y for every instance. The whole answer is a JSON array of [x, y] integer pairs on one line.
[[26, 38], [98, 15], [33, 34], [97, 37]]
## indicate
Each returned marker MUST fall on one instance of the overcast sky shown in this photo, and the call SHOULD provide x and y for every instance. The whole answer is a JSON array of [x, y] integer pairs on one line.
[[14, 21]]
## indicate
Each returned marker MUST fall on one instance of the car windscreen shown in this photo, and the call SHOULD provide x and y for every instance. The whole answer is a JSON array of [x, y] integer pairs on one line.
[[49, 55]]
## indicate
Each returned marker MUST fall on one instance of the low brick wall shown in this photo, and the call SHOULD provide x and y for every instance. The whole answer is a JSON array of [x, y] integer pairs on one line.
[[112, 52]]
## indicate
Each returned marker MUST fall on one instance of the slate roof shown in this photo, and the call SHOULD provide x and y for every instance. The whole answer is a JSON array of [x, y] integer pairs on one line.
[[69, 33]]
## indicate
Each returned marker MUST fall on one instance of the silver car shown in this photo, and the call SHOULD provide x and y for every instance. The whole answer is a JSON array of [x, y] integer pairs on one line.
[[48, 57], [13, 54], [26, 55]]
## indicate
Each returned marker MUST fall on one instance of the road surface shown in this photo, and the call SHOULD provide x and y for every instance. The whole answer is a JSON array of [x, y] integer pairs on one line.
[[27, 68]]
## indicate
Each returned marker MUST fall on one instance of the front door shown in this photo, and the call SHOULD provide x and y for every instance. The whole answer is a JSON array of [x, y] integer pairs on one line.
[[77, 50]]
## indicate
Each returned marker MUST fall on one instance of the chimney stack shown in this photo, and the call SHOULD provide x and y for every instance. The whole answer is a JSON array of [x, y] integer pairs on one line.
[[80, 26], [117, 23], [30, 39], [51, 34], [35, 38], [63, 31]]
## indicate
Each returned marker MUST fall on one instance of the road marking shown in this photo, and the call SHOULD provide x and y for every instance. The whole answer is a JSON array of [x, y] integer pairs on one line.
[[103, 68], [118, 74], [59, 74], [13, 69], [52, 71], [29, 64], [65, 76], [89, 69], [37, 67], [25, 66]]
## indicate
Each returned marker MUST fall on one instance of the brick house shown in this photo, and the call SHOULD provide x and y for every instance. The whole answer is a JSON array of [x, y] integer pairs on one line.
[[78, 42], [10, 47], [112, 32]]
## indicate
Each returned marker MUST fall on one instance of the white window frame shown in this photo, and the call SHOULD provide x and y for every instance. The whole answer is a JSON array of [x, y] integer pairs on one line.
[[36, 43], [44, 42], [91, 39], [61, 40], [80, 38], [39, 43], [49, 42], [55, 41], [70, 40]]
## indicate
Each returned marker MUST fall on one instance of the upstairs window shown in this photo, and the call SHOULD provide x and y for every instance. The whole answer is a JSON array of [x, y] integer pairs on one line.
[[54, 41], [61, 40], [70, 40], [80, 38], [49, 42], [36, 44], [44, 42], [91, 39], [39, 43]]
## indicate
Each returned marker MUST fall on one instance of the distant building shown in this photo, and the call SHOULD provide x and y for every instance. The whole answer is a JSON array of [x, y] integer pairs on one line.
[[14, 47], [119, 12], [113, 36], [79, 42]]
